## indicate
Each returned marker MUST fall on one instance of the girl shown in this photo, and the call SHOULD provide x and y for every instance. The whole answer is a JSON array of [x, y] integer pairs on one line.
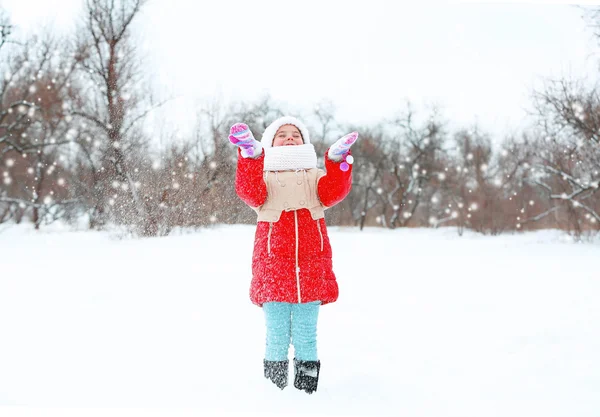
[[292, 272]]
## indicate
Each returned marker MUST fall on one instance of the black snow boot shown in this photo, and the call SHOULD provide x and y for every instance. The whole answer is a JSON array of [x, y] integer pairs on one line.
[[277, 372], [306, 375]]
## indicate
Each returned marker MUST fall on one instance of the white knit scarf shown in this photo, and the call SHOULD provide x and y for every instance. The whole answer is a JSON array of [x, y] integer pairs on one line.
[[286, 158]]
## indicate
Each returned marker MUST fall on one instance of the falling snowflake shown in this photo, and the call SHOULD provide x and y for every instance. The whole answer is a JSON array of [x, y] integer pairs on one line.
[[72, 134]]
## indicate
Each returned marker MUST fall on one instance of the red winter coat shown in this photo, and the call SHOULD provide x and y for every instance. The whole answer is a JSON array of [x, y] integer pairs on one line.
[[274, 275]]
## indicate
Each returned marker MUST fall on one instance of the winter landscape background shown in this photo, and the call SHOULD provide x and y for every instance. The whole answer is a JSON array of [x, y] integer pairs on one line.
[[466, 253], [494, 129]]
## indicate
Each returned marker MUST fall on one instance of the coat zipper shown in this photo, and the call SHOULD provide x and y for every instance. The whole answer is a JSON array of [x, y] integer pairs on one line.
[[320, 234], [297, 267], [269, 237]]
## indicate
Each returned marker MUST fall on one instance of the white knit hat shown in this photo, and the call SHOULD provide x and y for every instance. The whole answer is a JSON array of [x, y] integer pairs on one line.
[[269, 134]]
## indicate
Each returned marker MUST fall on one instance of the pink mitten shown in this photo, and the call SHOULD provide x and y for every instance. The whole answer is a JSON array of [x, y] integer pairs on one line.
[[240, 135], [340, 149]]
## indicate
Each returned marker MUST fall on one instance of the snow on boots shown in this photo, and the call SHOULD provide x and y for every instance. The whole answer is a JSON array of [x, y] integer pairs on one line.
[[277, 372], [306, 375]]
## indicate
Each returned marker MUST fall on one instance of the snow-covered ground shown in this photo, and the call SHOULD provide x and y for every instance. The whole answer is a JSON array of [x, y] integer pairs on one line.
[[427, 324]]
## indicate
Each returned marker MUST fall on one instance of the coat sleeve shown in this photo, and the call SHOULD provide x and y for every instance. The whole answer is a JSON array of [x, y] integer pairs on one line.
[[335, 185], [249, 183]]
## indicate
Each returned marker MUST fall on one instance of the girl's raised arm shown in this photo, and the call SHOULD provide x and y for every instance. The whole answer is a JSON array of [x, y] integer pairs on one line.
[[249, 183], [336, 185]]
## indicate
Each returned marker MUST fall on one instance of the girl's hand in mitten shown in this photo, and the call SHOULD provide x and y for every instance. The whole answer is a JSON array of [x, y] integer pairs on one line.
[[340, 149], [240, 135]]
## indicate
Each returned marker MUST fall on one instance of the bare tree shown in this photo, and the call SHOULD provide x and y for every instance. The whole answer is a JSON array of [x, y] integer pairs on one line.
[[118, 98], [32, 126], [568, 157], [408, 158]]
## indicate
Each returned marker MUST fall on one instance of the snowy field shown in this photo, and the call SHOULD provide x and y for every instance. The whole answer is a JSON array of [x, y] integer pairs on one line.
[[427, 324]]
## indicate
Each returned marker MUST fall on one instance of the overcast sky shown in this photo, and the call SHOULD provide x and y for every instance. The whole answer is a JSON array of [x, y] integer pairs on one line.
[[478, 62]]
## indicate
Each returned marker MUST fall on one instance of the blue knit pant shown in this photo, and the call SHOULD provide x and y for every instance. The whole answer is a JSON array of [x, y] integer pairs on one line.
[[291, 322]]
